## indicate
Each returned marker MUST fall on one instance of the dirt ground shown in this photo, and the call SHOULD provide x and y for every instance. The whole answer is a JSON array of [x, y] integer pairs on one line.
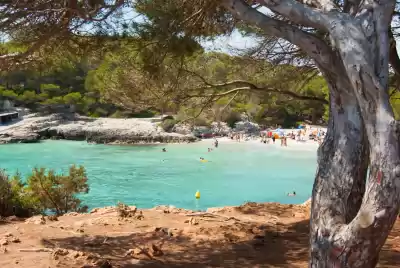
[[251, 235]]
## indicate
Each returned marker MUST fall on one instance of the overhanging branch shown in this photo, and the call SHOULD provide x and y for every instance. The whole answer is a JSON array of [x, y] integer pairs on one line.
[[240, 85], [315, 47]]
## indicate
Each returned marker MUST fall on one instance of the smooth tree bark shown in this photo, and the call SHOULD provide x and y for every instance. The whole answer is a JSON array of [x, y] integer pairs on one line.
[[351, 215]]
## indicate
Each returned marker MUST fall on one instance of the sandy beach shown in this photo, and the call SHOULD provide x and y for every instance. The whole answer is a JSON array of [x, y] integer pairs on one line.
[[305, 144]]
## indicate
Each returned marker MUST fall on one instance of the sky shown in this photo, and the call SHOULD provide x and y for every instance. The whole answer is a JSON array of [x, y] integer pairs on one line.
[[227, 43]]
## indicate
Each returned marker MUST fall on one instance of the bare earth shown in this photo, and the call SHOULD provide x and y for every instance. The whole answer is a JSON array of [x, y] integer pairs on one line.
[[251, 235]]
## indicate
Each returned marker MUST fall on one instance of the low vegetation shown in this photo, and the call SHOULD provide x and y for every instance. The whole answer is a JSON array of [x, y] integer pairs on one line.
[[44, 191]]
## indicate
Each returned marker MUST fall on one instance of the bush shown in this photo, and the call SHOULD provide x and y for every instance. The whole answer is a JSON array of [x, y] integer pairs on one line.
[[5, 194], [168, 124], [99, 112], [57, 193], [203, 122], [14, 199], [117, 114]]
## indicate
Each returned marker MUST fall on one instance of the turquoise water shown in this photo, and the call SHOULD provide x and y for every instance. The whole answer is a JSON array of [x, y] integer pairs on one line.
[[146, 177]]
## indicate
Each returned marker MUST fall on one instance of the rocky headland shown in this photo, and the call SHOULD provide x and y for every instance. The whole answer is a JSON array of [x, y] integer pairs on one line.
[[33, 128]]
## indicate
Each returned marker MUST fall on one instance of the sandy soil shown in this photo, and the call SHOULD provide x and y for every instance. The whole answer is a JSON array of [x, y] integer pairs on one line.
[[251, 235]]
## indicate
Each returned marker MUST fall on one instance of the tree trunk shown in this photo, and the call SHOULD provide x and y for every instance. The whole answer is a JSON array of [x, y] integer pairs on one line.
[[355, 63], [348, 241], [340, 180]]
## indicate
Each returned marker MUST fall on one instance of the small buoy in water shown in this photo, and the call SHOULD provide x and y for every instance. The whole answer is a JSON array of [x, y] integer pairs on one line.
[[197, 195]]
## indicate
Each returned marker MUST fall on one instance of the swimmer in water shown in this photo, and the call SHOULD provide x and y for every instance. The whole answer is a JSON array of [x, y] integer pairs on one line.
[[209, 149], [164, 150], [203, 160], [292, 194]]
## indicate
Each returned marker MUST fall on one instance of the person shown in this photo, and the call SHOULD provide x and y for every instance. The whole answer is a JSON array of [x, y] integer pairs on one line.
[[164, 150], [216, 143], [273, 138], [209, 149], [292, 194]]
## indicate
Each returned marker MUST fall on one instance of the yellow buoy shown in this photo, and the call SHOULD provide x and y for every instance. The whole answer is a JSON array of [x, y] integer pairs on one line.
[[197, 195]]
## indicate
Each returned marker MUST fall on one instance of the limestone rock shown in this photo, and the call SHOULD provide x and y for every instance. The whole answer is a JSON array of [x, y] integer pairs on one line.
[[102, 130], [193, 221], [247, 127], [183, 129], [220, 128]]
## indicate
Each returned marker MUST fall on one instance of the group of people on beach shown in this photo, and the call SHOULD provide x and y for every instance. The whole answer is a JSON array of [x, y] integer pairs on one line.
[[237, 136]]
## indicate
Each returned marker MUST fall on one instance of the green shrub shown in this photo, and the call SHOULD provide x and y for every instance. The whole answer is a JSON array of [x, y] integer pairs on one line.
[[99, 112], [57, 193], [14, 197], [168, 124], [144, 114], [5, 194], [117, 114], [231, 119], [203, 122]]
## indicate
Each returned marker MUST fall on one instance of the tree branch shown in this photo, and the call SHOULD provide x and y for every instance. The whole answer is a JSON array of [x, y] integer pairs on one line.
[[302, 14], [240, 85], [316, 48]]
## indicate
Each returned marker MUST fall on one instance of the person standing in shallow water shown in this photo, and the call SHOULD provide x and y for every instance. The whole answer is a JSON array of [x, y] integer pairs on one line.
[[216, 143]]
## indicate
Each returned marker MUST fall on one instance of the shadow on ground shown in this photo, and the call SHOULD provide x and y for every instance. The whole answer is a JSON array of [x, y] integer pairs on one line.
[[278, 246], [274, 246]]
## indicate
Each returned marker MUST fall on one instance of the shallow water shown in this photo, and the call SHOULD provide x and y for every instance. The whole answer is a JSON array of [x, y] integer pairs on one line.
[[144, 176]]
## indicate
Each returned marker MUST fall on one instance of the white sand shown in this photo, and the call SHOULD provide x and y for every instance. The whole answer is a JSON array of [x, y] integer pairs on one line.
[[306, 145]]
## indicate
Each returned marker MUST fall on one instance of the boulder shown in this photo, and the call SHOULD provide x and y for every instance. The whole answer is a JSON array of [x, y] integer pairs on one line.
[[183, 129], [247, 127], [220, 128]]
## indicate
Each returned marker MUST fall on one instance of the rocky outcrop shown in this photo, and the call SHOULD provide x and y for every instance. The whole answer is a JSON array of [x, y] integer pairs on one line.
[[103, 130], [184, 129], [247, 127], [220, 128]]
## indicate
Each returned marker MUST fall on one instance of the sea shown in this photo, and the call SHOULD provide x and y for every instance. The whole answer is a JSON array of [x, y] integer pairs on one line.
[[145, 176]]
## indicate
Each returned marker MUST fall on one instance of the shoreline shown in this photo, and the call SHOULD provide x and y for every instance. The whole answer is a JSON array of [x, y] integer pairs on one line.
[[34, 128]]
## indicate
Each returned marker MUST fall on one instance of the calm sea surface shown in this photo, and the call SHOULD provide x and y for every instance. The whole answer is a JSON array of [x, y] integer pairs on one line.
[[144, 176]]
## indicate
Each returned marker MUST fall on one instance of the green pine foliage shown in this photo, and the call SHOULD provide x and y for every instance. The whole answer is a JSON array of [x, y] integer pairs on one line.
[[43, 191]]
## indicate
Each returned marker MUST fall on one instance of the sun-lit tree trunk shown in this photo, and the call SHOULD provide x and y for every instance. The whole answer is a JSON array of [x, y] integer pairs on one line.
[[341, 174], [351, 215], [363, 46]]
